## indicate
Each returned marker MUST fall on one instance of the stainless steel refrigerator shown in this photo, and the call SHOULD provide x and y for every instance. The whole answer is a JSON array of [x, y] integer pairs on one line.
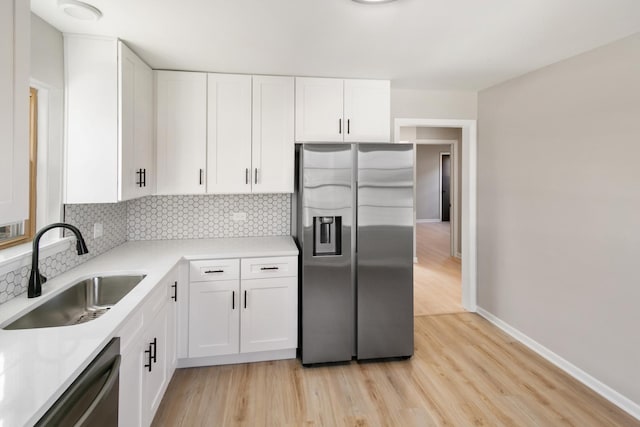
[[354, 227]]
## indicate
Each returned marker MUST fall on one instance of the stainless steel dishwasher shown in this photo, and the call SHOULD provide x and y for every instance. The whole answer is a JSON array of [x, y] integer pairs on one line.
[[92, 399]]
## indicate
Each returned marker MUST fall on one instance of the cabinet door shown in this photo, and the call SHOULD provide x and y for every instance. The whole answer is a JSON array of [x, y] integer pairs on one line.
[[154, 379], [172, 323], [214, 318], [181, 123], [319, 107], [135, 83], [367, 110], [229, 133], [269, 314], [91, 112], [14, 111], [273, 146], [130, 393]]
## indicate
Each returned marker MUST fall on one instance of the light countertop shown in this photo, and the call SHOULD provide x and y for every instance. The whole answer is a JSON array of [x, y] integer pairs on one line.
[[37, 365]]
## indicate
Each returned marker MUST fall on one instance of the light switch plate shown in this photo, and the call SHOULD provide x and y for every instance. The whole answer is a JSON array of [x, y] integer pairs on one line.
[[98, 230], [239, 216]]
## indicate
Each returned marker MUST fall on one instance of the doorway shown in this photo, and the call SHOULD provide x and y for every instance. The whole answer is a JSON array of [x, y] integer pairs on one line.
[[445, 186], [455, 252], [437, 272]]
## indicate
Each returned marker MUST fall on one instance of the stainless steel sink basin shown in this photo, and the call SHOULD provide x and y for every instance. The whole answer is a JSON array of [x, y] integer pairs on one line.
[[82, 302]]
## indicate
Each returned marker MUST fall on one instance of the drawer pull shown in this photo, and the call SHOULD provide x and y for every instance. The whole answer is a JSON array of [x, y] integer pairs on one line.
[[213, 271], [269, 268]]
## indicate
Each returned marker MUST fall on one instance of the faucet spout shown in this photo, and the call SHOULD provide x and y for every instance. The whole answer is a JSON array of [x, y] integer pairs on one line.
[[36, 279]]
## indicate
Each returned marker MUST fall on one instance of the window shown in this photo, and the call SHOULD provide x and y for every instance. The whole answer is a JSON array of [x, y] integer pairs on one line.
[[22, 232]]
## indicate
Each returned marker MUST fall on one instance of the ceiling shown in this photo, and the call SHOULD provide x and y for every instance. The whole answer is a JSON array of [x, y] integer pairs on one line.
[[420, 44]]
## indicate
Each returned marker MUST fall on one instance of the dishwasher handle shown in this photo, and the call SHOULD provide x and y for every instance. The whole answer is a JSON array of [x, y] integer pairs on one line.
[[104, 392], [77, 390]]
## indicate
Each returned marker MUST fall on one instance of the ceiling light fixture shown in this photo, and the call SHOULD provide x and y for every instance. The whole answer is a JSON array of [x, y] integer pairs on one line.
[[373, 1], [80, 10]]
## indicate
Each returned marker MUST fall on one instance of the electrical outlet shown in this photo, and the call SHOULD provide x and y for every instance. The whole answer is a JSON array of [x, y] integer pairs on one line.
[[239, 216], [98, 230]]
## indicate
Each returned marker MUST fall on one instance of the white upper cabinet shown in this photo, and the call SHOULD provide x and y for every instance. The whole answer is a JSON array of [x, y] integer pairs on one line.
[[319, 109], [273, 146], [336, 110], [229, 133], [367, 110], [181, 125], [136, 157], [15, 20], [109, 140], [250, 145]]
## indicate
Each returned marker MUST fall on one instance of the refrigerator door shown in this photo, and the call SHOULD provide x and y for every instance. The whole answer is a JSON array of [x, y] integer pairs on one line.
[[384, 251], [326, 217]]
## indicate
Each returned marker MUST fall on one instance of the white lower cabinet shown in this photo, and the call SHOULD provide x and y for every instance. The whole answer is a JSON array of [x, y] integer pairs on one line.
[[214, 318], [154, 371], [237, 316], [269, 314], [148, 348]]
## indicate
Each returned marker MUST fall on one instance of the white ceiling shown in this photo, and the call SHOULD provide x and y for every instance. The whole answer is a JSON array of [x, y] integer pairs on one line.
[[426, 44]]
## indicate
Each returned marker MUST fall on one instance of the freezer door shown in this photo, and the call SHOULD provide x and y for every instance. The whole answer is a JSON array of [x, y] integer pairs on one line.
[[326, 217], [384, 251]]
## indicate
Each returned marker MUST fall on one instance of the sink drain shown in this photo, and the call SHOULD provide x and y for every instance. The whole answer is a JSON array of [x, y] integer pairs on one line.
[[91, 315]]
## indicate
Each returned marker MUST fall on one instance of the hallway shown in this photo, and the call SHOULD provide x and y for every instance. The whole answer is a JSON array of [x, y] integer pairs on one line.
[[437, 275]]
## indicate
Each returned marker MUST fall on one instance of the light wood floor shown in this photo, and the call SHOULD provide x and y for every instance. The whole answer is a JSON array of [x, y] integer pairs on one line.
[[464, 372], [437, 286]]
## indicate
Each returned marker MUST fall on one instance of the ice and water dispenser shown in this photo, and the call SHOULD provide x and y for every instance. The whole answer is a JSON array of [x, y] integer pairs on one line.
[[327, 235]]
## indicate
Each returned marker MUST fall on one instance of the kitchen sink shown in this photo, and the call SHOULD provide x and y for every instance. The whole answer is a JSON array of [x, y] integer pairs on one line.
[[84, 301]]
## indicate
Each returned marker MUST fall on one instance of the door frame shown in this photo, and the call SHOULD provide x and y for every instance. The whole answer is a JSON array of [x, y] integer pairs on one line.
[[442, 154], [469, 197]]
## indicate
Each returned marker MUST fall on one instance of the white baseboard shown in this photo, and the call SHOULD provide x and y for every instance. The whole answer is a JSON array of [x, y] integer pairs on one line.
[[594, 384], [428, 220]]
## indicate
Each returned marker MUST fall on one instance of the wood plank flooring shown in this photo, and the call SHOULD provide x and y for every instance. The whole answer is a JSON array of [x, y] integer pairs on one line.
[[437, 286], [464, 372]]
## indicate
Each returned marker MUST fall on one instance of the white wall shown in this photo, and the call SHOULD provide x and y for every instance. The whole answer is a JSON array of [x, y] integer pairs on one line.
[[428, 180], [559, 210], [47, 75], [433, 104]]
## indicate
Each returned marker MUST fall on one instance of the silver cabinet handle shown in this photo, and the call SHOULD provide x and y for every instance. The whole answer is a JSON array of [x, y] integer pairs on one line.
[[348, 126], [201, 175], [246, 175], [245, 299], [340, 126], [213, 271], [233, 300], [256, 176]]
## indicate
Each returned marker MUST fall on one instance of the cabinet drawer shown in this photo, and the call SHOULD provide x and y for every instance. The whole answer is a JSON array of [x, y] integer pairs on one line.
[[216, 269], [260, 268]]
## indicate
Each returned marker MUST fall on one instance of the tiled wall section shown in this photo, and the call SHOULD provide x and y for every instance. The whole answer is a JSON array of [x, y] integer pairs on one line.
[[114, 220], [208, 216], [160, 217]]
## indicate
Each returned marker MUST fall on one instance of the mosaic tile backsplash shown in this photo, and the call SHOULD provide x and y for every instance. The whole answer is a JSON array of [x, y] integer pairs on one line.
[[208, 216], [114, 220], [158, 218]]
